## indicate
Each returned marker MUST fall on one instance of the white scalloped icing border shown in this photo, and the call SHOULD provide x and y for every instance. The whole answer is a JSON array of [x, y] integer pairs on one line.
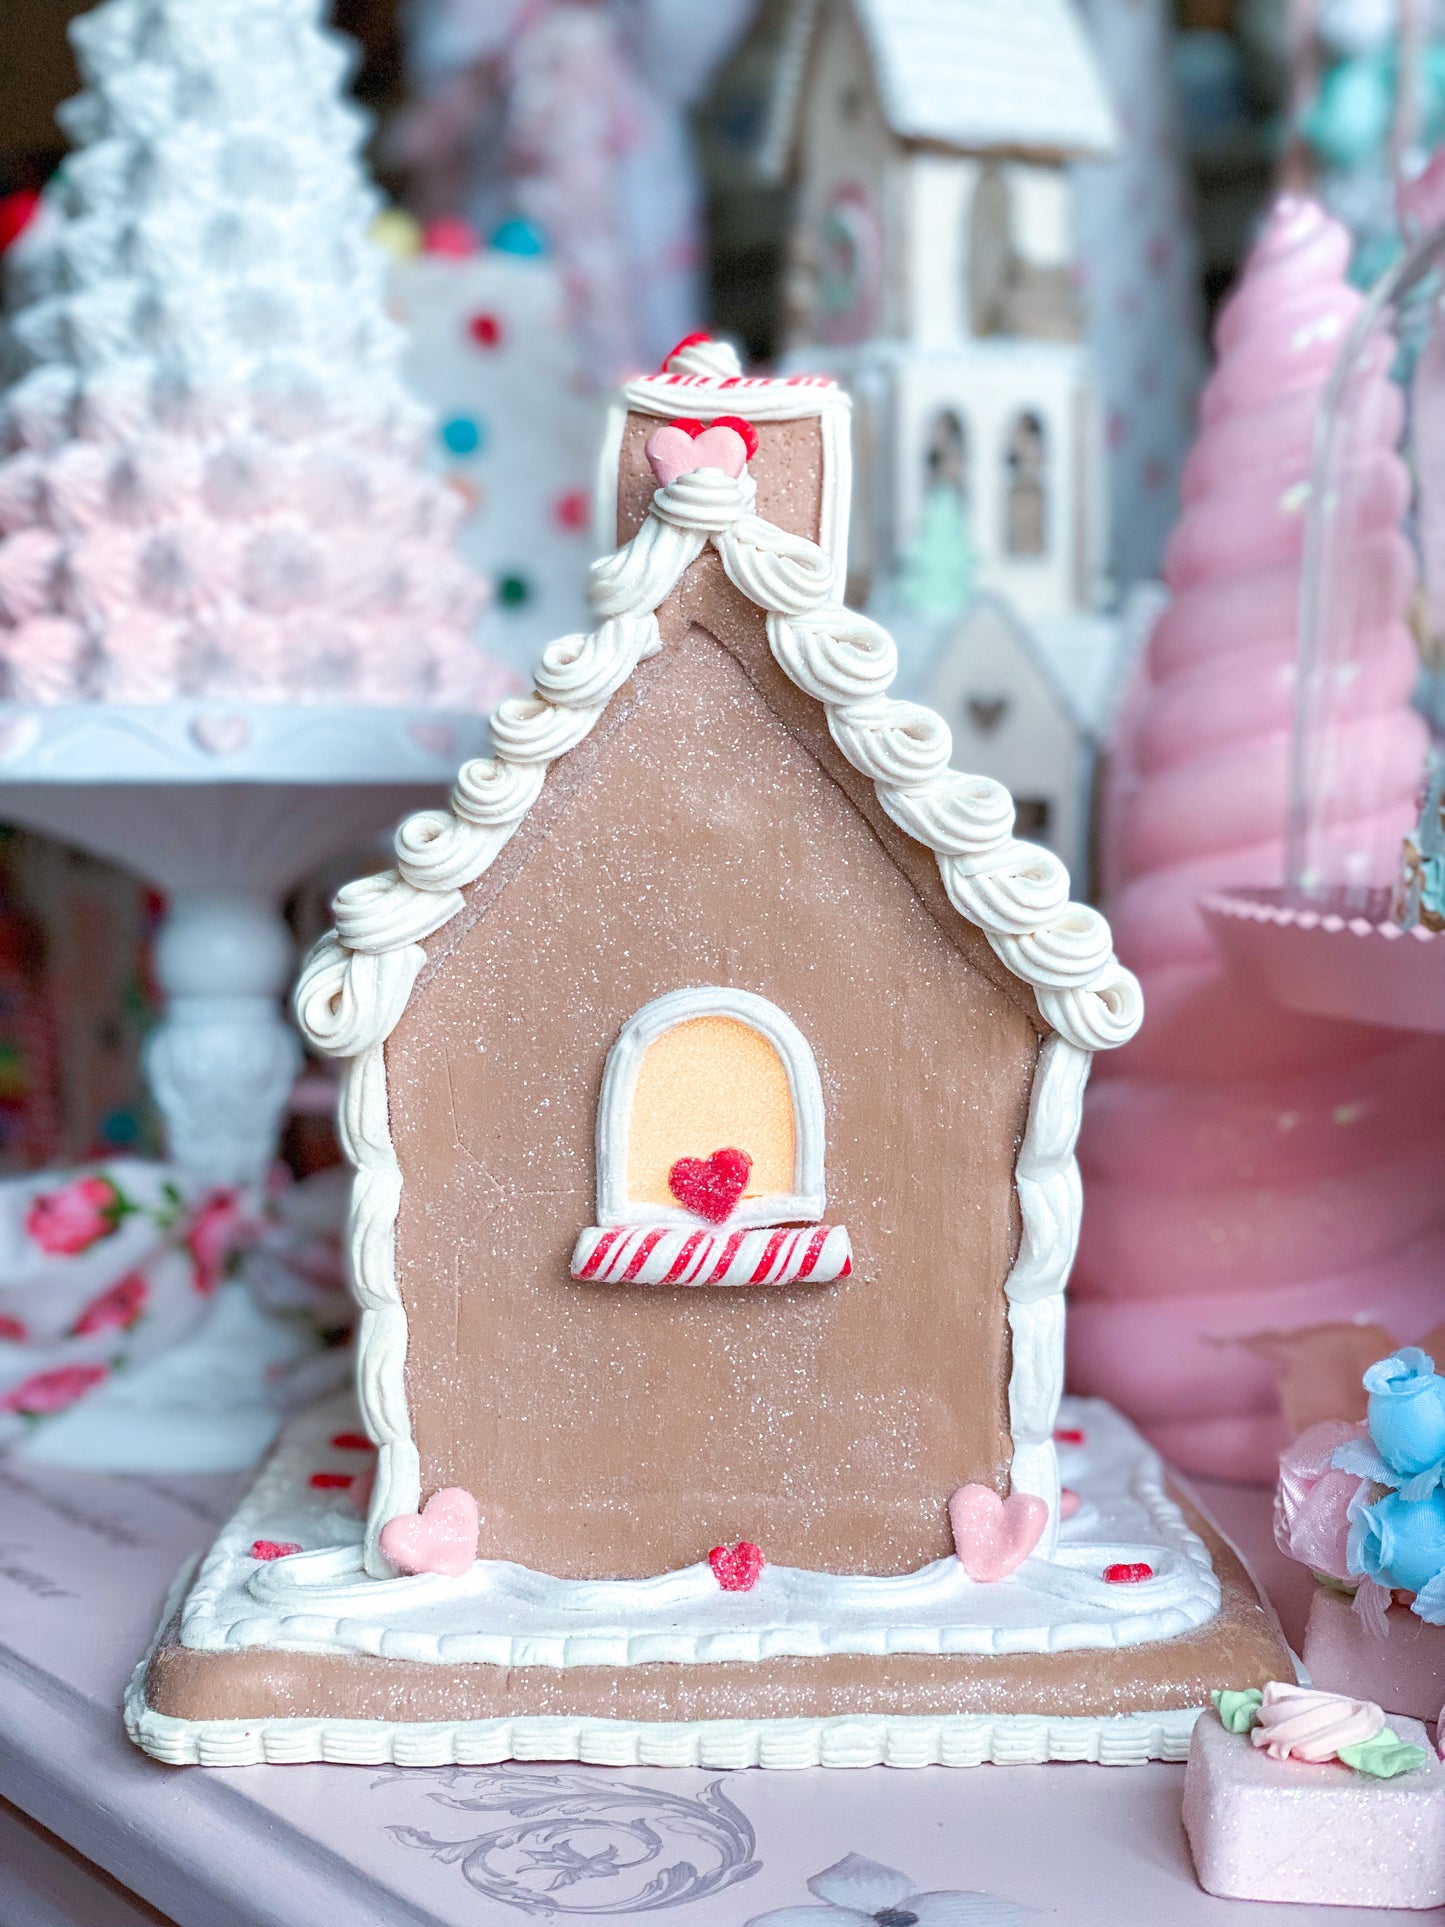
[[1013, 1739], [854, 1740], [358, 979]]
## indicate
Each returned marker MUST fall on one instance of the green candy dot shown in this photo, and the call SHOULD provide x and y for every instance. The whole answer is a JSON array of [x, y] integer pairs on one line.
[[513, 591]]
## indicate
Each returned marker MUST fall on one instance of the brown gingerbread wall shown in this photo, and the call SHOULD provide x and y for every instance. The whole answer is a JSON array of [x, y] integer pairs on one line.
[[708, 833]]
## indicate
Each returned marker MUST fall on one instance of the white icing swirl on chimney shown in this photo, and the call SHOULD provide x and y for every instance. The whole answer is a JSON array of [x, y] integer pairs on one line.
[[704, 356]]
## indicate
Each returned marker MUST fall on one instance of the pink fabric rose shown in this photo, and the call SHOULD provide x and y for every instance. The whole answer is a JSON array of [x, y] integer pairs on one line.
[[114, 1310], [214, 1234], [50, 1392], [1312, 1499], [78, 1215]]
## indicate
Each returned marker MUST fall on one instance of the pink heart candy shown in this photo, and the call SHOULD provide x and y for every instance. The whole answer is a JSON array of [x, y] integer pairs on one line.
[[994, 1536], [442, 1537], [671, 451]]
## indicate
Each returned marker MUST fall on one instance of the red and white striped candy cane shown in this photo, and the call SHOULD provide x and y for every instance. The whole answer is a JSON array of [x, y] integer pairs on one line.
[[813, 1254]]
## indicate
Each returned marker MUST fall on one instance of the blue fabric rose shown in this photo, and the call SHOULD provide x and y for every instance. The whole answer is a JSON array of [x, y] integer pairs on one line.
[[1399, 1542], [1407, 1412]]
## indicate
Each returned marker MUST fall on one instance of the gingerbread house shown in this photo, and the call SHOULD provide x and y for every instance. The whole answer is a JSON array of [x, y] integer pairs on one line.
[[713, 1070]]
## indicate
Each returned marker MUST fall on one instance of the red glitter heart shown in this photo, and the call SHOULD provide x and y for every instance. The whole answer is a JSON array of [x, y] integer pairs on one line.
[[710, 1186], [1130, 1575], [736, 1568], [739, 427]]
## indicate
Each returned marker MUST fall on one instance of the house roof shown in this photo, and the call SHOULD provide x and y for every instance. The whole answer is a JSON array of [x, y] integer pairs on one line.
[[977, 75], [1014, 892]]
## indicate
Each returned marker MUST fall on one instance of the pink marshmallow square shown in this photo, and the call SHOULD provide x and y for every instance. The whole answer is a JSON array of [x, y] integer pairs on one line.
[[1263, 1829], [1404, 1672]]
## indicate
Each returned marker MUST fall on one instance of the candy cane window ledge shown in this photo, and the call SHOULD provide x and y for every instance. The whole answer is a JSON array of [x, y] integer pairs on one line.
[[739, 1199]]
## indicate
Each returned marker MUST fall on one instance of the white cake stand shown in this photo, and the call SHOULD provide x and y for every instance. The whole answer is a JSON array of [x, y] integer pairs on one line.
[[223, 807]]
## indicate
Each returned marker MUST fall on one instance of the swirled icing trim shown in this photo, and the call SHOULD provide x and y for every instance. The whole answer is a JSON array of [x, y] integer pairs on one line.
[[356, 983]]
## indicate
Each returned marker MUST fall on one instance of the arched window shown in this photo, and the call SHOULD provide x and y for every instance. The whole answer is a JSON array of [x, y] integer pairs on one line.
[[710, 1146], [936, 576], [946, 454], [1026, 511]]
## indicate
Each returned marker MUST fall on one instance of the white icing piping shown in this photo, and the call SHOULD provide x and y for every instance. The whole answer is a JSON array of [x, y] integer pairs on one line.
[[499, 1613], [358, 978]]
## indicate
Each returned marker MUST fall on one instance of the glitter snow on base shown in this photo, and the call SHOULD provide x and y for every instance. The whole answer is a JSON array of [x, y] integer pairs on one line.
[[320, 1600]]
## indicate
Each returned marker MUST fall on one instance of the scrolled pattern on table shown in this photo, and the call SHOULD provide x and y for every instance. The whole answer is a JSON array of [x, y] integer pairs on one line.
[[357, 983]]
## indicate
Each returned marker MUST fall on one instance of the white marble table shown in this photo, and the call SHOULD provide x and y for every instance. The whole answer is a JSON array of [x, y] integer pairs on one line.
[[99, 1836]]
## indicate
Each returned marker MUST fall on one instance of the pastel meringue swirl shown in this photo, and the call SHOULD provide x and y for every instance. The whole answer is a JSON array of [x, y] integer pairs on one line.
[[1297, 1723]]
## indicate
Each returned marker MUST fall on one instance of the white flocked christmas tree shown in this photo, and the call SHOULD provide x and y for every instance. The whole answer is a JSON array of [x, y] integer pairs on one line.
[[211, 473]]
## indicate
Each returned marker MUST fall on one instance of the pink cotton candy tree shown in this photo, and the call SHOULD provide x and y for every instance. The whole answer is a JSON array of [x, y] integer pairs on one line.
[[1250, 1171]]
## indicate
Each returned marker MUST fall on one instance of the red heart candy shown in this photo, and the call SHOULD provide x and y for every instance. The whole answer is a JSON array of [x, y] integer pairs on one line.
[[710, 1186], [736, 1568], [739, 427]]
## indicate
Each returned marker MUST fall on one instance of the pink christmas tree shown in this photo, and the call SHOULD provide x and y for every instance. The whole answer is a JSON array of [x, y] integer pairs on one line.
[[211, 476], [1250, 1171]]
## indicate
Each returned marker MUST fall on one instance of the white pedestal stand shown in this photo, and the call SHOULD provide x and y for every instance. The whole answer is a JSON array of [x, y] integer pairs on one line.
[[223, 807]]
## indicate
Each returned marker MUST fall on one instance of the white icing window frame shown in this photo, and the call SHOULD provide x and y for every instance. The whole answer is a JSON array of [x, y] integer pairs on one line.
[[805, 1204]]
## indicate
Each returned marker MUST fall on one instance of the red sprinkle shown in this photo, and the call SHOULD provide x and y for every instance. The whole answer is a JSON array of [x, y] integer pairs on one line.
[[1128, 1575], [736, 1567], [485, 330], [1068, 1435], [332, 1481], [272, 1549], [352, 1442], [572, 509]]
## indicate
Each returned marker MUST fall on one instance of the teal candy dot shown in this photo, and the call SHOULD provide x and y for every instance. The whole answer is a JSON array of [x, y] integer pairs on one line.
[[120, 1128], [513, 591], [462, 434], [520, 237]]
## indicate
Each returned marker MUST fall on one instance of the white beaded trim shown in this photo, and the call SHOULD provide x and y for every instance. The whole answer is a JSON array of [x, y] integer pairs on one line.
[[358, 979]]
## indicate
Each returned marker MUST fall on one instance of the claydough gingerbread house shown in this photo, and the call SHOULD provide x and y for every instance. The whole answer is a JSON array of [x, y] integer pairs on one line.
[[714, 1066]]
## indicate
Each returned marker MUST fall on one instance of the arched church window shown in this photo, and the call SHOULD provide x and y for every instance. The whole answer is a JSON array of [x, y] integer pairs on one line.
[[710, 1150], [990, 252], [1026, 506], [936, 574], [946, 453]]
